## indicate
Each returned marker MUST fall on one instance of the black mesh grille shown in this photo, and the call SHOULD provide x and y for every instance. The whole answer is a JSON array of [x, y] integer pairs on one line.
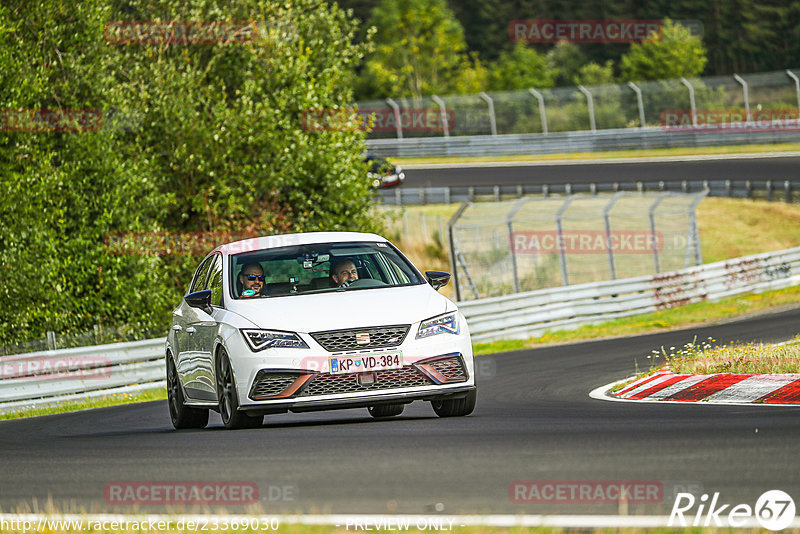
[[326, 384], [379, 336], [452, 368], [270, 384]]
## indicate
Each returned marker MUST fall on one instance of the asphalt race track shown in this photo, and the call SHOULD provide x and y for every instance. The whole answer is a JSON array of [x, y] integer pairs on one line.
[[534, 421], [776, 169]]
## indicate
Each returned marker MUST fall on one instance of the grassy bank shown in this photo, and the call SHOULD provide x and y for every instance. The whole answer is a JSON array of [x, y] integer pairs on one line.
[[621, 154], [110, 400]]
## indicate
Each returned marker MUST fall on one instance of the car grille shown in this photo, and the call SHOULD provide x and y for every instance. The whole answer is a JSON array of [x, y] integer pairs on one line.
[[325, 384], [380, 336], [271, 384], [452, 368]]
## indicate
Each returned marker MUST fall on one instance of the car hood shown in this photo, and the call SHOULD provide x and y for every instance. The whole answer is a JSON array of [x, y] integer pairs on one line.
[[348, 309]]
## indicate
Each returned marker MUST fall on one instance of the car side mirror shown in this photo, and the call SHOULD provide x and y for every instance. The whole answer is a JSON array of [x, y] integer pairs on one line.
[[200, 299], [437, 279]]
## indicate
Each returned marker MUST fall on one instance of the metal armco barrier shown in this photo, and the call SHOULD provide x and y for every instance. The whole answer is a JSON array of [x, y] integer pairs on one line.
[[47, 377], [53, 376], [531, 314], [579, 141], [783, 190]]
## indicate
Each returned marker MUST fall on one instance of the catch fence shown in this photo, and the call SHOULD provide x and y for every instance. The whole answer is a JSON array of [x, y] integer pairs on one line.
[[533, 243]]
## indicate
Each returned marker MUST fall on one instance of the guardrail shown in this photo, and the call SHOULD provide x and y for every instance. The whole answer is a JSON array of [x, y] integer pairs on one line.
[[531, 314], [579, 141], [786, 190], [55, 376], [50, 377]]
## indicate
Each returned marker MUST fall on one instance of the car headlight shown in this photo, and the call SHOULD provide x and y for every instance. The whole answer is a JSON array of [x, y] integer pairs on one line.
[[443, 324], [266, 339]]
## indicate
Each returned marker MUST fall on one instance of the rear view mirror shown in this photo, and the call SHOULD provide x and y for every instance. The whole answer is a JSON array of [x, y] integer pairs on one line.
[[437, 279]]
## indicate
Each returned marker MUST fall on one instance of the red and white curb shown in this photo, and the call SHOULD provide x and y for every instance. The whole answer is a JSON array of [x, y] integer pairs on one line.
[[722, 388]]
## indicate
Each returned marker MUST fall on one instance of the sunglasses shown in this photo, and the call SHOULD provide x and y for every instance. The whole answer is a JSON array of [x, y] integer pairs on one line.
[[254, 277]]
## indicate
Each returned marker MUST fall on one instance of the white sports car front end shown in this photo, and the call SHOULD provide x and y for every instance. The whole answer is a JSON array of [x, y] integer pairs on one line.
[[268, 327]]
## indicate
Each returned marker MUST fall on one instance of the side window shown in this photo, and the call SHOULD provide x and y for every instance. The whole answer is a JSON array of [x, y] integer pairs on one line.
[[215, 281], [200, 276]]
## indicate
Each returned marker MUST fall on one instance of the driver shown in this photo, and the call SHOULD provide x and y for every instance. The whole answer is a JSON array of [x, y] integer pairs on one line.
[[343, 272], [252, 279]]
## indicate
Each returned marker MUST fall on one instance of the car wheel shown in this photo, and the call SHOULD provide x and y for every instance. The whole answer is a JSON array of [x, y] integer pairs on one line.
[[386, 410], [456, 407], [182, 416], [229, 399]]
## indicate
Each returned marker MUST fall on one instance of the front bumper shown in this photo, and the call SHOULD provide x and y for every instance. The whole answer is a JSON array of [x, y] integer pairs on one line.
[[361, 401]]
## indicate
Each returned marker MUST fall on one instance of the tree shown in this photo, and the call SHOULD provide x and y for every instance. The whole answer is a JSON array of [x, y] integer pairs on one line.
[[670, 53], [564, 60], [521, 68], [594, 74], [215, 142], [419, 50]]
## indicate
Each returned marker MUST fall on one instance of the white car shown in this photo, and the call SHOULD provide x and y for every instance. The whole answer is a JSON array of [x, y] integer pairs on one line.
[[265, 328]]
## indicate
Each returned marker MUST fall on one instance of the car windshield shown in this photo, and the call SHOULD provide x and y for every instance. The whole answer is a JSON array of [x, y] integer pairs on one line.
[[319, 267]]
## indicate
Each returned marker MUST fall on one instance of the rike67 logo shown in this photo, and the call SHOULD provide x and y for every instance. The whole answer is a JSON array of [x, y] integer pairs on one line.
[[774, 510]]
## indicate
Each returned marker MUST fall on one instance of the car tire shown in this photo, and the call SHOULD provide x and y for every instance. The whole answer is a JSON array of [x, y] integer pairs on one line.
[[456, 407], [386, 410], [232, 418], [182, 416]]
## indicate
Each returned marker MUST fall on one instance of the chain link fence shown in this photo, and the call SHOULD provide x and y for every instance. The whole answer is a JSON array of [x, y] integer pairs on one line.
[[531, 243], [760, 101]]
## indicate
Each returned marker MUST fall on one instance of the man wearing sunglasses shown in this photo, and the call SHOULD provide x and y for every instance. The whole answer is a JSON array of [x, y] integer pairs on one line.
[[252, 279]]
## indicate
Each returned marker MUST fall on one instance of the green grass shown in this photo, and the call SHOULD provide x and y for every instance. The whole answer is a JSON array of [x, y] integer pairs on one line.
[[110, 400], [622, 154], [709, 358], [700, 313]]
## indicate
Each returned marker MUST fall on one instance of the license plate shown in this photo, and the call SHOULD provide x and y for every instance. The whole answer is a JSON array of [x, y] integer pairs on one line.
[[359, 363]]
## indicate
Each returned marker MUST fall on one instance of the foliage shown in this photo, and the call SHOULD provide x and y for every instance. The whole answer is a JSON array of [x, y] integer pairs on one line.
[[521, 68], [564, 61], [670, 53], [195, 138], [419, 50]]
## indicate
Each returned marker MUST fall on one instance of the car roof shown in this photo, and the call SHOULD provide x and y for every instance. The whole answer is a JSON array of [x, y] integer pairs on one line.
[[286, 240]]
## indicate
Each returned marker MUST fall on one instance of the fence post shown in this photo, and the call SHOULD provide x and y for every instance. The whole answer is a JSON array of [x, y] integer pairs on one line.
[[590, 103], [608, 207], [692, 103], [794, 77], [543, 112], [639, 102], [453, 251], [787, 187], [492, 118], [746, 93], [443, 110], [510, 224], [396, 109], [560, 232], [652, 215], [51, 340]]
